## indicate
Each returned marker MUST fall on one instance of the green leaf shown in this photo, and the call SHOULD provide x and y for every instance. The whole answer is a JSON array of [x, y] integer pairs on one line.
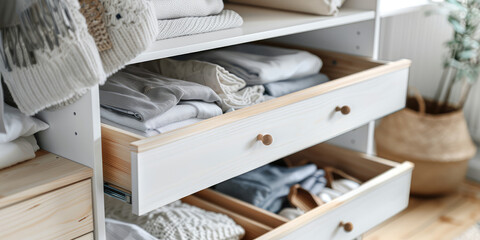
[[459, 28], [467, 54], [469, 43]]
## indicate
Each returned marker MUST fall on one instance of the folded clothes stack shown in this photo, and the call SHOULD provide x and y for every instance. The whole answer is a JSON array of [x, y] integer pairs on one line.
[[232, 90], [186, 17], [280, 70], [175, 221], [268, 186], [18, 144], [148, 103]]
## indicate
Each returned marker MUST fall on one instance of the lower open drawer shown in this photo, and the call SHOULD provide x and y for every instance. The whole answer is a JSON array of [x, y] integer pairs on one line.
[[384, 193]]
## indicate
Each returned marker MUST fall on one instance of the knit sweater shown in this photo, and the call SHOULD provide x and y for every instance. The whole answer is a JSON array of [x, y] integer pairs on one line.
[[68, 70], [132, 27]]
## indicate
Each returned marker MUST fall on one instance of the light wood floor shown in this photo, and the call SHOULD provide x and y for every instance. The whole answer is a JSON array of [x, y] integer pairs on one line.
[[441, 218]]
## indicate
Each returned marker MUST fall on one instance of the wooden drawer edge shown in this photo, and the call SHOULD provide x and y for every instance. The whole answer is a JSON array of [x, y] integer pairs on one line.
[[45, 173], [392, 174], [65, 213], [212, 123]]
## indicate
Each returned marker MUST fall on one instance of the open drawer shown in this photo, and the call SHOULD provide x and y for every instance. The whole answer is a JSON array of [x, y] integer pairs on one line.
[[383, 194], [167, 167]]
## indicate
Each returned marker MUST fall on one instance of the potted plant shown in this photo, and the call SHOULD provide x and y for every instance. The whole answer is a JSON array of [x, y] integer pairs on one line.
[[433, 134]]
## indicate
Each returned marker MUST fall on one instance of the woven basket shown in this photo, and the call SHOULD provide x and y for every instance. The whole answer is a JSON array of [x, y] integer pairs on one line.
[[439, 145]]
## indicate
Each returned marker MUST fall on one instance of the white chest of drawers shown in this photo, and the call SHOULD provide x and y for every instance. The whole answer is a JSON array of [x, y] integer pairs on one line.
[[161, 169]]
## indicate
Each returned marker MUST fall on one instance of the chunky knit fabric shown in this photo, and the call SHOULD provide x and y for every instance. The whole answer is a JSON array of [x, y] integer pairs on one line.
[[66, 71], [171, 28], [132, 27], [178, 221]]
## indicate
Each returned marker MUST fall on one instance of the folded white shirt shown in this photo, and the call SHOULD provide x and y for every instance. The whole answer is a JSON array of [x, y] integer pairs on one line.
[[17, 124], [118, 230], [18, 150], [154, 132], [166, 9]]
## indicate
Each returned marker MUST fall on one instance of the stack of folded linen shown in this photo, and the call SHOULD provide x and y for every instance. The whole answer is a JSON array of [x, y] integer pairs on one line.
[[281, 71], [148, 103], [186, 17], [232, 90], [18, 144]]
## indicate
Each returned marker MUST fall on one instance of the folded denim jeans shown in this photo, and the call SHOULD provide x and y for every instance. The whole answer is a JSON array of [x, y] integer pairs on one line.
[[266, 187]]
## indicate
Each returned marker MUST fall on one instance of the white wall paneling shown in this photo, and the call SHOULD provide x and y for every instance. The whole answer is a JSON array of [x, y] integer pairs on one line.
[[74, 133], [421, 39]]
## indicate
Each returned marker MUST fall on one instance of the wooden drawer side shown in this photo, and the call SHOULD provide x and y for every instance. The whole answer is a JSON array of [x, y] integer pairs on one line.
[[62, 214]]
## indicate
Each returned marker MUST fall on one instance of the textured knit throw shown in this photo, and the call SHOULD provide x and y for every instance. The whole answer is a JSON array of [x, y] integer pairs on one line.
[[171, 28], [178, 221], [59, 75], [132, 27]]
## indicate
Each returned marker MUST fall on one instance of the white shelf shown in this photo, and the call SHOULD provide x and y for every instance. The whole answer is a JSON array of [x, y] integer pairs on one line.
[[390, 8], [259, 23]]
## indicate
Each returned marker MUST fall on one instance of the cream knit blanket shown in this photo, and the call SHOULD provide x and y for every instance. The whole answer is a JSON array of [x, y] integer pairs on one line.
[[171, 28], [177, 221]]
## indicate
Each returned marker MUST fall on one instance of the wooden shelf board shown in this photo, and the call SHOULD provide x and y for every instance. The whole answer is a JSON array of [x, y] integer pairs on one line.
[[259, 24]]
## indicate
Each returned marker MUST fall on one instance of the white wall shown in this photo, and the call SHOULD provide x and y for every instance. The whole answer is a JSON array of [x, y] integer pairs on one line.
[[421, 38]]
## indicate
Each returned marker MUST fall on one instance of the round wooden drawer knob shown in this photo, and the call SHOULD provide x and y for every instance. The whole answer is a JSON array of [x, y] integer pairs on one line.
[[345, 110], [266, 139], [348, 226]]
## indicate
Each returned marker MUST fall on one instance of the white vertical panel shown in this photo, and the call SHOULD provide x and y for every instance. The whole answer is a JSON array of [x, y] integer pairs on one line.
[[355, 39], [420, 38], [75, 134]]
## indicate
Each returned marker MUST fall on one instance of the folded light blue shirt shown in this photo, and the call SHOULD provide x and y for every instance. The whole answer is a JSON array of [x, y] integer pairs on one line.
[[280, 88]]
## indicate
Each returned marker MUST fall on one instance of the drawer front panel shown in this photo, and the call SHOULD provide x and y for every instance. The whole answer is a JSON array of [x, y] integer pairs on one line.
[[177, 169], [365, 211], [65, 213]]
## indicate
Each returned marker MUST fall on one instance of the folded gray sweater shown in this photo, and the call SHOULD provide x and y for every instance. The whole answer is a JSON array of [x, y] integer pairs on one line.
[[183, 111], [280, 88], [259, 64], [143, 95]]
